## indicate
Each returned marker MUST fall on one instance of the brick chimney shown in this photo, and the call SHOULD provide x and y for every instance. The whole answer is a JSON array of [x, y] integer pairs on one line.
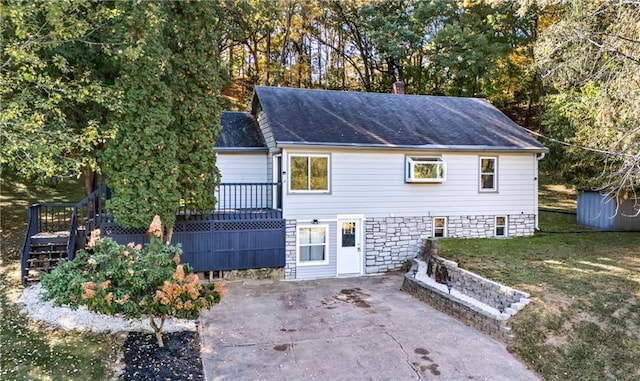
[[398, 87]]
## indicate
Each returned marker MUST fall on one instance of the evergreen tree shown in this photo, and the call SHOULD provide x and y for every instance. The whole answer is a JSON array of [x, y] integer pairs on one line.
[[162, 157]]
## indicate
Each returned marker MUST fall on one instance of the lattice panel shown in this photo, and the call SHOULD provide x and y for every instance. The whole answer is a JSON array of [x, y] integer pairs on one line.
[[194, 226], [250, 225], [119, 230]]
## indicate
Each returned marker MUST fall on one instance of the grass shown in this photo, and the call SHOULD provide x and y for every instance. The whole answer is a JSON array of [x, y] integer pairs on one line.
[[584, 319], [30, 351]]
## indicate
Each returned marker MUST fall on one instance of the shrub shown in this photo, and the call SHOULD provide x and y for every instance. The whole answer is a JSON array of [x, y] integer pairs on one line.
[[131, 280]]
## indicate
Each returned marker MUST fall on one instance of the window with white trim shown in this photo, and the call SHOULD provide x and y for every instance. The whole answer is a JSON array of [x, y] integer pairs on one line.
[[488, 174], [309, 173], [439, 227], [313, 244], [501, 226], [422, 169]]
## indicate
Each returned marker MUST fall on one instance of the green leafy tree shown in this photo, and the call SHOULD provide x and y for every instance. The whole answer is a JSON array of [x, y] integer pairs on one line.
[[53, 96], [162, 156], [590, 57]]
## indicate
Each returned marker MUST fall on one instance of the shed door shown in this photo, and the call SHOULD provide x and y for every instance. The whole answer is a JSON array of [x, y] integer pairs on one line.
[[349, 253]]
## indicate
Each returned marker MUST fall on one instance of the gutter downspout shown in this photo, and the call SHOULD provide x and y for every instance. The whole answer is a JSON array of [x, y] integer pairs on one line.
[[536, 225]]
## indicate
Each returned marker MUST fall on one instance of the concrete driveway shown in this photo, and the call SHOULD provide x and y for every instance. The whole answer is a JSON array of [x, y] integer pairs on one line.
[[344, 329]]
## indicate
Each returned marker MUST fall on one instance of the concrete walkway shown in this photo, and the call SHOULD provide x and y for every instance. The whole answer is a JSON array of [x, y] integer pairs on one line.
[[343, 329]]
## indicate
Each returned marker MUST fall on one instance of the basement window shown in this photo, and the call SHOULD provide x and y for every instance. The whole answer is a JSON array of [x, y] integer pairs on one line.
[[313, 245], [439, 227], [501, 226], [421, 169]]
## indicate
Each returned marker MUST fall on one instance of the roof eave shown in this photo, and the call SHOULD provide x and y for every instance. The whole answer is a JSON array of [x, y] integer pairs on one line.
[[241, 149], [429, 147]]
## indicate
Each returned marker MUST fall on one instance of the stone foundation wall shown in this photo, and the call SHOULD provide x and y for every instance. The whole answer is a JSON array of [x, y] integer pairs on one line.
[[484, 226], [231, 275], [390, 241], [290, 250], [521, 225]]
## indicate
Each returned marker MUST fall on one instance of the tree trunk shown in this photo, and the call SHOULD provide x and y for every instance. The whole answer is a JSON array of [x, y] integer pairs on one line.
[[285, 44], [158, 329], [87, 179], [168, 235]]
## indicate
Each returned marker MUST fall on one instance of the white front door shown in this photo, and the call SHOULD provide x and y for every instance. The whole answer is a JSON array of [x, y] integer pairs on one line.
[[349, 253]]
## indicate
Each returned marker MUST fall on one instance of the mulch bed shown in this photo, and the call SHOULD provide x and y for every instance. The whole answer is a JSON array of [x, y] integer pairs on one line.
[[178, 360]]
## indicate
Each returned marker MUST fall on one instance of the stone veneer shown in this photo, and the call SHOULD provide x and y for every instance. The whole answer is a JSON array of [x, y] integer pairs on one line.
[[484, 226], [389, 241], [521, 225], [290, 250]]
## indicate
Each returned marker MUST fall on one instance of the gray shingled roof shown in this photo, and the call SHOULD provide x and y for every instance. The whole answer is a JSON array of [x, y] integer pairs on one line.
[[305, 116], [239, 130]]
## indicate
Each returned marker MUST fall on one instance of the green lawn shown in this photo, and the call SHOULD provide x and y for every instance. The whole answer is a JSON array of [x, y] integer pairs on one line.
[[584, 319], [29, 351]]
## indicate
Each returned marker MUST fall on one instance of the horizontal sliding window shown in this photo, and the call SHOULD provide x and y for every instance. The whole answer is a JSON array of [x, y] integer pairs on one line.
[[420, 169]]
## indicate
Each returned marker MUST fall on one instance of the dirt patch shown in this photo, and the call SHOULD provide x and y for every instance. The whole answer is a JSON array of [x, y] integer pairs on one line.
[[421, 351], [282, 347]]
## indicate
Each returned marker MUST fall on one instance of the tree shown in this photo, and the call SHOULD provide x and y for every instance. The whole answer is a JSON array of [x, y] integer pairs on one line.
[[590, 56], [162, 156], [53, 96]]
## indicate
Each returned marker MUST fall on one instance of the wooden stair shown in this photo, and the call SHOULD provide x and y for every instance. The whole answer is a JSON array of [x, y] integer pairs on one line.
[[46, 250]]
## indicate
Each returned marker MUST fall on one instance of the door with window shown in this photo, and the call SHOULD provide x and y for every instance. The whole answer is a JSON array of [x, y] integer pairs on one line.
[[349, 254]]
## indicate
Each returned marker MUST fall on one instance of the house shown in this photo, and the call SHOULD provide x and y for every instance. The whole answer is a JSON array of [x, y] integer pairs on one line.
[[366, 177], [331, 183]]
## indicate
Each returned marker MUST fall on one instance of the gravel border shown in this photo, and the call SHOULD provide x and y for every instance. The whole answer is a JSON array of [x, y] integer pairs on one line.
[[82, 319]]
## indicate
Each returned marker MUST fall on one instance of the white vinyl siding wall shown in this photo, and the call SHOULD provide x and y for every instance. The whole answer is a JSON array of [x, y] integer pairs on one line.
[[372, 183], [242, 167]]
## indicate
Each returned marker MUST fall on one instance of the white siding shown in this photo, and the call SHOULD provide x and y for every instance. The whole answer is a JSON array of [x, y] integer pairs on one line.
[[267, 135], [372, 183], [243, 167]]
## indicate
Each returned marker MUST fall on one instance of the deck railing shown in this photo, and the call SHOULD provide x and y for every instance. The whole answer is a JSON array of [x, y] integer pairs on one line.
[[62, 219], [90, 210], [32, 229], [241, 201]]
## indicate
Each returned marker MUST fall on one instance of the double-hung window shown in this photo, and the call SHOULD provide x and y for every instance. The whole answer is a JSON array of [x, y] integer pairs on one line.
[[309, 173], [313, 244], [420, 169], [501, 226], [439, 227], [488, 174]]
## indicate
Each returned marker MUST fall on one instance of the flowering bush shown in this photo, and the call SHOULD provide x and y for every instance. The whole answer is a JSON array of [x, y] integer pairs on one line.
[[131, 280]]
